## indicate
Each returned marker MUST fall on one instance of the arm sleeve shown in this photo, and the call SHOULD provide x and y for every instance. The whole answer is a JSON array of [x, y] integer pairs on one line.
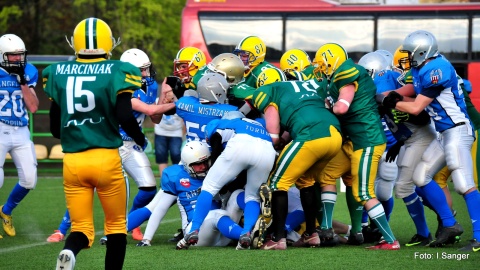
[[123, 111], [55, 120]]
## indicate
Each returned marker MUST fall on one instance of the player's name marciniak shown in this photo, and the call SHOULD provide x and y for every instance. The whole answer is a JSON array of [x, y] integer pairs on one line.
[[73, 69], [201, 109]]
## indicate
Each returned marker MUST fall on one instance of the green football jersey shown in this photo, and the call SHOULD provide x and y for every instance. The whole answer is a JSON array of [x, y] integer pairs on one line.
[[86, 92], [193, 84], [473, 113], [302, 112], [362, 121]]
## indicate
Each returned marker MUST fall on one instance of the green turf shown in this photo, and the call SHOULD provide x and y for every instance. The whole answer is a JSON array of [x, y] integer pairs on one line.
[[41, 211]]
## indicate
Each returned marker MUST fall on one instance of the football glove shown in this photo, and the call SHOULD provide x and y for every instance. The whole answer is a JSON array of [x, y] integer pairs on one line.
[[400, 117], [19, 72], [391, 100], [392, 153]]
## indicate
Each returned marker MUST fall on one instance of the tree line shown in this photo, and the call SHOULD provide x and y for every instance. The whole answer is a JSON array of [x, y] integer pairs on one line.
[[152, 26]]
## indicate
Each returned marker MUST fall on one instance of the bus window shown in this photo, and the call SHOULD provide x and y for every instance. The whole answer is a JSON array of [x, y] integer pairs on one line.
[[451, 33], [354, 33], [222, 33], [476, 38]]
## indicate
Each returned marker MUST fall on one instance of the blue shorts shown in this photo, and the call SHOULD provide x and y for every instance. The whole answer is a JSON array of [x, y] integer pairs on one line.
[[164, 145]]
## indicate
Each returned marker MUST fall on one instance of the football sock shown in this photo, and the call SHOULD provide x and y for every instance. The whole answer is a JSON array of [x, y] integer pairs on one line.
[[436, 197], [415, 209], [364, 217], [307, 197], [116, 249], [65, 224], [202, 207], [229, 228], [137, 217], [279, 213], [388, 207], [472, 200], [241, 200], [355, 209], [377, 214], [294, 219], [328, 204], [250, 215], [425, 201], [143, 197], [318, 199], [75, 242], [15, 197]]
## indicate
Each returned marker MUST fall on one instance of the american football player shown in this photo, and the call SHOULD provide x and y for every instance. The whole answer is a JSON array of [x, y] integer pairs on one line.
[[18, 79]]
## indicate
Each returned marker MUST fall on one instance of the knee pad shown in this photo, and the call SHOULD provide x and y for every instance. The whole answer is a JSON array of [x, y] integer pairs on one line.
[[461, 183], [419, 174], [387, 171], [383, 189]]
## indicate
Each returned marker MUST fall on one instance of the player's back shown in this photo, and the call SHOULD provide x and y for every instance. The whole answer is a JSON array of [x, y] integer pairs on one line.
[[86, 92], [302, 111], [197, 115]]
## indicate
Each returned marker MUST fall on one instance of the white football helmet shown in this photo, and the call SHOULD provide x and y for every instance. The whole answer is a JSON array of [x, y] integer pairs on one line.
[[11, 44], [373, 62], [212, 87], [420, 45], [233, 115], [388, 56], [140, 59], [195, 152], [229, 65]]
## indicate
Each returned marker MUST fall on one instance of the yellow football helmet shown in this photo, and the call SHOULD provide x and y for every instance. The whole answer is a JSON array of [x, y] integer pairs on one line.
[[400, 60], [270, 75], [187, 63], [251, 51], [93, 36], [328, 58], [294, 60]]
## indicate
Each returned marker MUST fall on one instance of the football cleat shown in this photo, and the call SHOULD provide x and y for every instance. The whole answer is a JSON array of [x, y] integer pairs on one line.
[[7, 223], [103, 240], [473, 246], [308, 240], [272, 245], [65, 260], [371, 235], [241, 247], [191, 238], [447, 235], [258, 233], [384, 245], [182, 244], [266, 197], [137, 234], [355, 239], [177, 236], [245, 241], [325, 234], [144, 243], [57, 236], [418, 240]]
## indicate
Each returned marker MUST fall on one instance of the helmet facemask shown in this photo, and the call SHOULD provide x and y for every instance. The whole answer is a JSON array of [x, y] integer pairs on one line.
[[13, 65], [195, 158]]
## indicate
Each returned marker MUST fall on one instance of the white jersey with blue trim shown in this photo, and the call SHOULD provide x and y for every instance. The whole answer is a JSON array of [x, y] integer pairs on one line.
[[149, 97], [386, 80], [228, 128], [437, 79], [176, 181], [197, 115], [12, 108]]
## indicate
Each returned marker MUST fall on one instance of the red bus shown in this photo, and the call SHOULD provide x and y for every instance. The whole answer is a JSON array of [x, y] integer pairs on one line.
[[216, 26]]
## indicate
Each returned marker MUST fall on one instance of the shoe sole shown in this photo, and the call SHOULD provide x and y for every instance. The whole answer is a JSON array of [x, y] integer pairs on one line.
[[258, 233], [266, 196]]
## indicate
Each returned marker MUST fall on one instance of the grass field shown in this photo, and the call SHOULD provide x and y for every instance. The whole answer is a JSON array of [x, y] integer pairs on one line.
[[41, 211]]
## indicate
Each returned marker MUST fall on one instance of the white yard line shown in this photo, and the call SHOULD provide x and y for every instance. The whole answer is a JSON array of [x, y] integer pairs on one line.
[[12, 249]]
